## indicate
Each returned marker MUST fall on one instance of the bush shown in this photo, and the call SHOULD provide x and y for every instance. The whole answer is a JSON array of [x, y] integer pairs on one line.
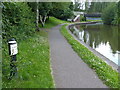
[[18, 21], [62, 14], [118, 12], [108, 15], [82, 18], [62, 10], [116, 20]]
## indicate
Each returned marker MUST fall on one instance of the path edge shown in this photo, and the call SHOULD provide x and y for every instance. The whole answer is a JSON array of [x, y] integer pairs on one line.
[[102, 57]]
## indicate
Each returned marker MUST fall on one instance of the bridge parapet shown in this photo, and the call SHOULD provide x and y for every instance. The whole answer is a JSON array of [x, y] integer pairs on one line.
[[92, 15]]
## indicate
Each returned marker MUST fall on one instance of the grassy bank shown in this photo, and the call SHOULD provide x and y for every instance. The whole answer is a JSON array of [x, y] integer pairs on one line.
[[104, 71], [94, 20], [53, 22], [33, 62]]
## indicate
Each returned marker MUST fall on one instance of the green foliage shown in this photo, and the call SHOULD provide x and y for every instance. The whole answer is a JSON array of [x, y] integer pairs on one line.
[[67, 14], [62, 10], [33, 6], [109, 10], [82, 18], [116, 20], [76, 6], [33, 57], [118, 12], [97, 7], [18, 21], [103, 70], [52, 9], [33, 63], [71, 6], [53, 22], [109, 14], [44, 8]]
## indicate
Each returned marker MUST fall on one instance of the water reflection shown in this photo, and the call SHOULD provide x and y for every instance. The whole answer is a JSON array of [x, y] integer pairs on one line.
[[103, 38]]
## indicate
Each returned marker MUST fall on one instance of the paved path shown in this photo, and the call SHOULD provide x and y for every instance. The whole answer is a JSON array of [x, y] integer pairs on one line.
[[69, 71]]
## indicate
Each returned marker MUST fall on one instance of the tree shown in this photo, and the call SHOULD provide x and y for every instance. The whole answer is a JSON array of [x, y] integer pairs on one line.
[[76, 6], [109, 10], [44, 9], [96, 7], [34, 6], [109, 14], [18, 20], [118, 12], [62, 10], [71, 6]]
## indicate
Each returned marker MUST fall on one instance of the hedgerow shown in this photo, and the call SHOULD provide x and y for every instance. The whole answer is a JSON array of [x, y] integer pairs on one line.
[[17, 22]]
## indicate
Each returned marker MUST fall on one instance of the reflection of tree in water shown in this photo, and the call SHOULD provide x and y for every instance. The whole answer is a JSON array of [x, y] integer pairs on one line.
[[101, 34], [118, 38], [84, 37]]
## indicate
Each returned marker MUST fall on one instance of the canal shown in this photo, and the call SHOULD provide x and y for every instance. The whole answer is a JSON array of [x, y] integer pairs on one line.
[[102, 38]]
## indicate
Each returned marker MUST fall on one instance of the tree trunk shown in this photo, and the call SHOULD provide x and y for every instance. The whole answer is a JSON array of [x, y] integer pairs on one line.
[[37, 17], [43, 19]]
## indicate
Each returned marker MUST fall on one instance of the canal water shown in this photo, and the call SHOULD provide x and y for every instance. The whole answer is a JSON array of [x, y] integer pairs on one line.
[[102, 38]]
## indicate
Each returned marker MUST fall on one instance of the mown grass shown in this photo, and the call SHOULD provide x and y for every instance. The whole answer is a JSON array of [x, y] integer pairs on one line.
[[33, 63], [94, 20], [104, 71], [53, 22]]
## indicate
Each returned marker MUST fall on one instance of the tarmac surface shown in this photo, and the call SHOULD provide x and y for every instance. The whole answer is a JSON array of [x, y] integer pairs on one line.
[[68, 69]]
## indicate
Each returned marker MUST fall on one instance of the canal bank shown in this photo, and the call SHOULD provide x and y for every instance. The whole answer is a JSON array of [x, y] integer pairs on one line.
[[107, 60], [104, 71]]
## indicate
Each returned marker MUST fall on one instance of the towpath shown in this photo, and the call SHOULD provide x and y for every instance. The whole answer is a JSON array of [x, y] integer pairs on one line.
[[69, 71]]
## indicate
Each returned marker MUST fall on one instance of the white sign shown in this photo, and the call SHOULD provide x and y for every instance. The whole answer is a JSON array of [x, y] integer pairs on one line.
[[13, 49]]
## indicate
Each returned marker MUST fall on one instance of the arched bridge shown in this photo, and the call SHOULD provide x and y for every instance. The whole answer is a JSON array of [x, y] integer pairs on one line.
[[92, 15]]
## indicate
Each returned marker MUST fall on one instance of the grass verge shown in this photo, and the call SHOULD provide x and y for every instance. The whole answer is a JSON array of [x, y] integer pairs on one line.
[[53, 22], [94, 20], [104, 71], [32, 62]]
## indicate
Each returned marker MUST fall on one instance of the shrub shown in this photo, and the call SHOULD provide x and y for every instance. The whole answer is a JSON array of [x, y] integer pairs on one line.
[[18, 20], [109, 14], [82, 18]]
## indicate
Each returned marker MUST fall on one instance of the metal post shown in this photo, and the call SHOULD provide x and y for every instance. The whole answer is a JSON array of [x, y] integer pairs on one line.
[[13, 67]]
